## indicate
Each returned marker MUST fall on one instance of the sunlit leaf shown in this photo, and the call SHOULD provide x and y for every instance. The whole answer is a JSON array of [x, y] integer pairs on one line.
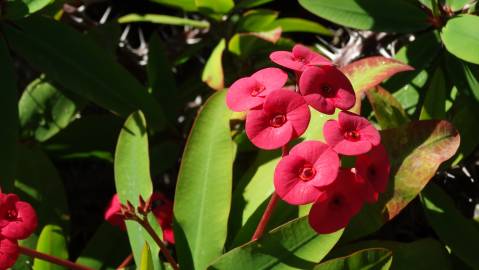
[[213, 74], [434, 106], [162, 19], [52, 241], [387, 109], [301, 25], [461, 37], [373, 259]]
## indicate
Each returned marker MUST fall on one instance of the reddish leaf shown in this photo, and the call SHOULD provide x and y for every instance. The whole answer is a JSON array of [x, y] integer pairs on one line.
[[370, 72], [386, 107]]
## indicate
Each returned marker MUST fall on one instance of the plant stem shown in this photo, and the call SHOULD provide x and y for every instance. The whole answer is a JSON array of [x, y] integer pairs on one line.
[[269, 209], [125, 262], [49, 258], [144, 222]]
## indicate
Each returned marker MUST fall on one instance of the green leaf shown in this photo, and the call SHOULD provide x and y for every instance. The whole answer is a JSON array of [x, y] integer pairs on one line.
[[15, 9], [461, 37], [252, 3], [132, 178], [186, 5], [162, 19], [301, 25], [461, 235], [8, 118], [434, 106], [98, 254], [457, 5], [415, 151], [386, 107], [257, 20], [213, 74], [44, 111], [379, 16], [146, 262], [371, 259], [214, 6], [80, 65], [464, 119], [465, 76], [203, 191], [38, 182], [51, 241], [370, 72], [423, 254], [291, 246]]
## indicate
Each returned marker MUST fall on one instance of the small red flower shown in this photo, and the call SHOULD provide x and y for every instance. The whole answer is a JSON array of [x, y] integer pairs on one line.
[[351, 135], [283, 117], [17, 218], [299, 58], [309, 166], [338, 203], [374, 168], [249, 92], [326, 88], [113, 213], [8, 252]]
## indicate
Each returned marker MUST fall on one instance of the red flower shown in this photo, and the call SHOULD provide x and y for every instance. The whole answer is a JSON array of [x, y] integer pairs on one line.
[[326, 88], [162, 208], [299, 58], [338, 203], [8, 252], [113, 213], [249, 92], [283, 117], [17, 218], [351, 134], [374, 168], [309, 166]]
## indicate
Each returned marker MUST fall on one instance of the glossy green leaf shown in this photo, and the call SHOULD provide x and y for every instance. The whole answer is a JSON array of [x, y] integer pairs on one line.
[[44, 111], [387, 109], [291, 246], [132, 178], [380, 16], [52, 241], [213, 74], [257, 20], [214, 6], [434, 106], [79, 65], [461, 37], [371, 259], [15, 9], [457, 5], [37, 181], [415, 151], [8, 117], [96, 255], [162, 19], [460, 234], [301, 25], [246, 45], [423, 254], [203, 191], [251, 3], [186, 5], [146, 262], [370, 72]]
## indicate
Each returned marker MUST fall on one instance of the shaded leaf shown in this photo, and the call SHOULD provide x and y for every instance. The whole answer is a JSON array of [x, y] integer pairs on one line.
[[79, 65], [162, 19], [203, 191], [461, 37], [8, 117], [370, 72], [257, 20], [464, 119], [371, 259], [379, 16], [52, 241], [213, 74], [461, 235], [415, 151], [186, 5], [387, 109], [15, 9], [301, 25], [434, 106], [291, 246]]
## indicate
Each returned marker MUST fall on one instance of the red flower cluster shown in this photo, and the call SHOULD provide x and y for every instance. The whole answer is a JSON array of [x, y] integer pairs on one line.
[[311, 172], [18, 220], [162, 208]]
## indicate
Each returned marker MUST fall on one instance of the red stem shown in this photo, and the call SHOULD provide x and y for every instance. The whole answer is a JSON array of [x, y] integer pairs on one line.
[[125, 262], [49, 258], [269, 209]]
